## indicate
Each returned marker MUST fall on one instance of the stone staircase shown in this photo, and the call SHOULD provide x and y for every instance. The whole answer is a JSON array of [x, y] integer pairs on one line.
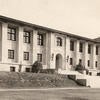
[[92, 81]]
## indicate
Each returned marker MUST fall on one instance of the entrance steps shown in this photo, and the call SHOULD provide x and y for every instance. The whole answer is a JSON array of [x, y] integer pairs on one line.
[[83, 79]]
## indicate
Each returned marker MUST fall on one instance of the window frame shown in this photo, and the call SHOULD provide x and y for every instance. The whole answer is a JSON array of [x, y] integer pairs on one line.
[[26, 37], [71, 61], [26, 56], [80, 47], [10, 54], [72, 43], [39, 57], [89, 48], [97, 50], [59, 41], [88, 63], [11, 33], [40, 38], [12, 69], [96, 64]]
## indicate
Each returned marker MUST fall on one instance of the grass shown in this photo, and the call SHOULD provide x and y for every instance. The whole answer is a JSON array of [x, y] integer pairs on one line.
[[68, 94], [33, 80]]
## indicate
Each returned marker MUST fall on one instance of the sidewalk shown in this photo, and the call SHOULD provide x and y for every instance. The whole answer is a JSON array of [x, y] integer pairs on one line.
[[40, 89]]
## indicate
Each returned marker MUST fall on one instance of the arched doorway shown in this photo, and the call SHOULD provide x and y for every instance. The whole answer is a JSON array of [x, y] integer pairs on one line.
[[58, 61]]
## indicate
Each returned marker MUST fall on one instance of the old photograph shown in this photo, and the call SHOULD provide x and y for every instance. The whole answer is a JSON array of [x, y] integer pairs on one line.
[[49, 50]]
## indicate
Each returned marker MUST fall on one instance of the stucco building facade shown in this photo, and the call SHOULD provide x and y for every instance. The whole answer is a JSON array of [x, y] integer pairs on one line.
[[22, 43]]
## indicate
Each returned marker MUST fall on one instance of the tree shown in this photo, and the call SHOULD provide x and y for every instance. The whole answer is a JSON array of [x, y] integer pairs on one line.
[[36, 67]]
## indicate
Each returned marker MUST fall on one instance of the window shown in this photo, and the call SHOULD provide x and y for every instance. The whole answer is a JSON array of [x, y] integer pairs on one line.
[[96, 50], [89, 49], [26, 55], [88, 63], [27, 69], [26, 37], [40, 39], [72, 45], [11, 33], [81, 47], [12, 69], [71, 61], [96, 64], [39, 57], [59, 41], [10, 54]]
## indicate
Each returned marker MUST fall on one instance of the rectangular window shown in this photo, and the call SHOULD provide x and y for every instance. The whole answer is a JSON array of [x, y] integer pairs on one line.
[[40, 39], [81, 47], [12, 69], [89, 49], [26, 37], [71, 61], [27, 69], [96, 50], [59, 41], [88, 63], [39, 57], [96, 64], [11, 33], [10, 54], [26, 55], [72, 45]]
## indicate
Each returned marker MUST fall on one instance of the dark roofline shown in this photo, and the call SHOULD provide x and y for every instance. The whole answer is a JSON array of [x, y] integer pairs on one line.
[[6, 19]]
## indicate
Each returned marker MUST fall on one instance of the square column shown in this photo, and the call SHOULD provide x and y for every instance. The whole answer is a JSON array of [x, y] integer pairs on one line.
[[47, 51], [77, 52], [34, 56], [67, 53], [94, 56], [52, 51], [85, 54], [20, 45], [4, 43]]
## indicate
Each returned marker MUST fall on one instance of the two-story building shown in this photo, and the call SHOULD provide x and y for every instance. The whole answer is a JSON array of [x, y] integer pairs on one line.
[[22, 43]]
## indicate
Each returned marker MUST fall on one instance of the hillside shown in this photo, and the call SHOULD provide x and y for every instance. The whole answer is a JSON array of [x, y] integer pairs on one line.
[[33, 80]]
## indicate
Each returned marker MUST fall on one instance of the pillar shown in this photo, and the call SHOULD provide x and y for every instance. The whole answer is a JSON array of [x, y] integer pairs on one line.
[[4, 43], [85, 54]]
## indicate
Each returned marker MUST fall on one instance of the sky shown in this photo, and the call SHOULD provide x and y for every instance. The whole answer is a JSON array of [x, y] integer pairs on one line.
[[80, 17]]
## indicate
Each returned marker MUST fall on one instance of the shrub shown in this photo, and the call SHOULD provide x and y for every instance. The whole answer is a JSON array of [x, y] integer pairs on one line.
[[79, 67], [36, 67]]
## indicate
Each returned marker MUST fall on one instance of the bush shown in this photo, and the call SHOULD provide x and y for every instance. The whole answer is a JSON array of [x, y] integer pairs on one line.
[[36, 67], [79, 67]]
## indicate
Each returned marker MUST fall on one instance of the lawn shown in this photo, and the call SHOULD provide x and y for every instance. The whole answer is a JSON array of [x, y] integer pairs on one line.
[[60, 94]]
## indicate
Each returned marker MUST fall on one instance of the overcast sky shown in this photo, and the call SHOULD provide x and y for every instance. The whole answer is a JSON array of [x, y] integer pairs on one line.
[[81, 17]]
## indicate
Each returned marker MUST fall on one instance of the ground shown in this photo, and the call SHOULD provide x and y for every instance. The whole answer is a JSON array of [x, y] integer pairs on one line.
[[51, 94]]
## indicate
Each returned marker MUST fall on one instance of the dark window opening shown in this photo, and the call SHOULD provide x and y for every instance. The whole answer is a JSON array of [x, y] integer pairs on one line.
[[27, 69], [72, 45], [88, 63], [12, 69], [89, 49], [96, 64], [81, 47], [71, 61], [96, 50]]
